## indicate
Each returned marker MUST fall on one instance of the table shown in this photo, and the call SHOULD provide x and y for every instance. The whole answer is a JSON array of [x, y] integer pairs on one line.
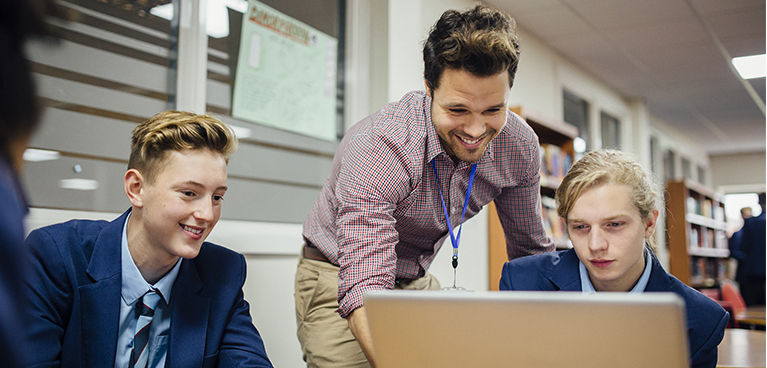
[[752, 316], [742, 348]]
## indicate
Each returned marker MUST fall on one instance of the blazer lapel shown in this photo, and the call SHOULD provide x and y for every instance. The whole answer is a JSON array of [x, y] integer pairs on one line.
[[565, 275], [189, 319], [659, 280], [100, 301]]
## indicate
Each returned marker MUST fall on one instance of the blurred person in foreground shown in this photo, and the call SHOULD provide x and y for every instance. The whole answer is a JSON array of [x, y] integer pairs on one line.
[[20, 20]]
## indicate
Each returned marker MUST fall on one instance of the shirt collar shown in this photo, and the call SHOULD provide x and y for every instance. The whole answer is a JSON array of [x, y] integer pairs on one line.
[[587, 287], [133, 284]]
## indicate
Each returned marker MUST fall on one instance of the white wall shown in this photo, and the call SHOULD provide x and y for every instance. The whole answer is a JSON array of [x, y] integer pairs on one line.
[[744, 170]]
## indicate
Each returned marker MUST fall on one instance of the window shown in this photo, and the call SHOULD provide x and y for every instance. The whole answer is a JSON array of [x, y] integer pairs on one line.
[[577, 113], [686, 169], [654, 164], [276, 174], [701, 175], [111, 70], [611, 131], [669, 165]]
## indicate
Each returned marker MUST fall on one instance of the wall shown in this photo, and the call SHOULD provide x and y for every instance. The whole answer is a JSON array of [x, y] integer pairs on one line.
[[739, 172]]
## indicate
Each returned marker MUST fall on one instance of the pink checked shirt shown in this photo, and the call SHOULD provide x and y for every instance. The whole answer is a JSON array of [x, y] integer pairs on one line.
[[379, 216]]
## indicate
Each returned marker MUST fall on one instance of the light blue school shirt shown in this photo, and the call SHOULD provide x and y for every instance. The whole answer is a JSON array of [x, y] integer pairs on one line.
[[133, 287], [588, 287]]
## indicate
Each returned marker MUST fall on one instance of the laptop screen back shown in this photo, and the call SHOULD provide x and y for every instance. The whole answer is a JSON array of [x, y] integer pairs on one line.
[[527, 329]]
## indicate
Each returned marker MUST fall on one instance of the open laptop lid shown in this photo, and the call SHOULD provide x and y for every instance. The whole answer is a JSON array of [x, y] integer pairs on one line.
[[527, 329]]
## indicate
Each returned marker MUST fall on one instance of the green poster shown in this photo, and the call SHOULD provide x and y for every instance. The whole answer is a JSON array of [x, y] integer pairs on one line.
[[286, 74]]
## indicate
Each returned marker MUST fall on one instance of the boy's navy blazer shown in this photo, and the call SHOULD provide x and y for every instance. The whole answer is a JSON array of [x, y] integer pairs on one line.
[[558, 271], [74, 298]]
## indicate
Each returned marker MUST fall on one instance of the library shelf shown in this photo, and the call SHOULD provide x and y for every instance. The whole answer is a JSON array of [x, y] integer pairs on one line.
[[696, 230], [556, 140]]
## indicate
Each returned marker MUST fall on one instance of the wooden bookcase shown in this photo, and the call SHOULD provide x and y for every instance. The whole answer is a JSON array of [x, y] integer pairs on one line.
[[556, 138], [696, 229]]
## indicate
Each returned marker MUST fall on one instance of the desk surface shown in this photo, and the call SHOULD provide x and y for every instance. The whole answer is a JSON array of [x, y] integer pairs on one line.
[[742, 348], [753, 315]]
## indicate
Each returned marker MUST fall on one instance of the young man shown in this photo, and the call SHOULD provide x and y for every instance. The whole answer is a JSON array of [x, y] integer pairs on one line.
[[145, 290], [381, 216], [610, 206]]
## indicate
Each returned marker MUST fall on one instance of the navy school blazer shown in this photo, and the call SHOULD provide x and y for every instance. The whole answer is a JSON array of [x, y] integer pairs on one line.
[[73, 297], [558, 271]]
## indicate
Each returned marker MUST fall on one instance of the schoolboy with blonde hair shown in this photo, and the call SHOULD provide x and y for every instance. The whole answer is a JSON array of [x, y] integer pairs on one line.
[[610, 205], [146, 290], [610, 167]]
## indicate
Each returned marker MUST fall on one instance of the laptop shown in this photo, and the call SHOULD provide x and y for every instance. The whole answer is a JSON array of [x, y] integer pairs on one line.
[[527, 329]]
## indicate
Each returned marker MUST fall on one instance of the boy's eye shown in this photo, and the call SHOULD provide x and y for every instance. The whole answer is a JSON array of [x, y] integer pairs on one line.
[[187, 193], [218, 198], [458, 111]]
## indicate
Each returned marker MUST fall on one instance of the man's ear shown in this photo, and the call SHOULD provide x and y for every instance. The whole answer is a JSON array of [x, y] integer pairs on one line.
[[426, 86], [650, 222], [134, 187]]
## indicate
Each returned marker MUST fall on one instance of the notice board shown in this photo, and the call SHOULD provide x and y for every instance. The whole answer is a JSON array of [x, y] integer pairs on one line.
[[286, 74]]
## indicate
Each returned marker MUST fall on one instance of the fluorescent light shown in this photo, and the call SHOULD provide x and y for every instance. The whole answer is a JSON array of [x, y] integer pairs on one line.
[[218, 17], [37, 155], [749, 67], [240, 132], [78, 184]]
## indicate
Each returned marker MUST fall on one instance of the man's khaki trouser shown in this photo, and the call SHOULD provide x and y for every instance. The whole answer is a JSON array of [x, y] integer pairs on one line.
[[325, 337]]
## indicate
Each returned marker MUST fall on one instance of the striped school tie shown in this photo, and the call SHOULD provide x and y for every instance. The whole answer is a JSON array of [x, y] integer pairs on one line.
[[145, 308]]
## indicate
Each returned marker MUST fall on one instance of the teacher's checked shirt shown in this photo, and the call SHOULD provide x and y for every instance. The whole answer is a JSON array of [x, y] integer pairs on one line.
[[379, 216]]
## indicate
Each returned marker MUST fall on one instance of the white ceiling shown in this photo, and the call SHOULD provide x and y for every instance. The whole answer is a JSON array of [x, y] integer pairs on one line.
[[673, 54]]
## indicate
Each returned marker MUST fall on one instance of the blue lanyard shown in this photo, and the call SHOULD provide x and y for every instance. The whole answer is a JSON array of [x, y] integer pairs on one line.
[[455, 239]]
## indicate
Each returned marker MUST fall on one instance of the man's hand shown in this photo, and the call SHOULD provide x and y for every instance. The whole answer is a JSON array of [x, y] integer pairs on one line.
[[358, 324]]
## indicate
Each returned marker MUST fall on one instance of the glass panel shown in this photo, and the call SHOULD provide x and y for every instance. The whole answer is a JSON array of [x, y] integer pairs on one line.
[[686, 169], [611, 133], [577, 113], [292, 167], [109, 72]]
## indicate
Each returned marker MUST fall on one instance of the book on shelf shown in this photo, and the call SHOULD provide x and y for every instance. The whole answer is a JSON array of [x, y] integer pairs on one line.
[[555, 162], [552, 223]]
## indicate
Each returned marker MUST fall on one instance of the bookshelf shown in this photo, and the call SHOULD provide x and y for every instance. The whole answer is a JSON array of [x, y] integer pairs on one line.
[[696, 230], [556, 138]]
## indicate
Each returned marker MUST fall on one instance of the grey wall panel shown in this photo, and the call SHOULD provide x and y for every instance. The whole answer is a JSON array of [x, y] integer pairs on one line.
[[90, 135], [253, 161], [218, 93], [248, 200], [101, 64], [281, 138], [103, 98], [258, 201], [42, 180]]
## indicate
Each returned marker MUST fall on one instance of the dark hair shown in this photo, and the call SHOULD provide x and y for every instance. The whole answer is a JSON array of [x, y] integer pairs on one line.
[[482, 41], [20, 20]]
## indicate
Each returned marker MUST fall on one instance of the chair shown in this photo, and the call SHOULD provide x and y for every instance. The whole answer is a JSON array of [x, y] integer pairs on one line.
[[731, 296]]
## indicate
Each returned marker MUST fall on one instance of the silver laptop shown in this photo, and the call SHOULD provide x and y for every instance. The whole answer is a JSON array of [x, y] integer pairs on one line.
[[527, 329]]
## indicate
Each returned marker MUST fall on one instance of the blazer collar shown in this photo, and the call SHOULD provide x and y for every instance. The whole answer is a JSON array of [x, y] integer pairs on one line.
[[100, 300], [659, 280], [565, 275]]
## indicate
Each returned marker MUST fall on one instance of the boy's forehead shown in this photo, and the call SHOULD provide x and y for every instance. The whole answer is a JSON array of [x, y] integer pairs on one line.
[[185, 158]]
